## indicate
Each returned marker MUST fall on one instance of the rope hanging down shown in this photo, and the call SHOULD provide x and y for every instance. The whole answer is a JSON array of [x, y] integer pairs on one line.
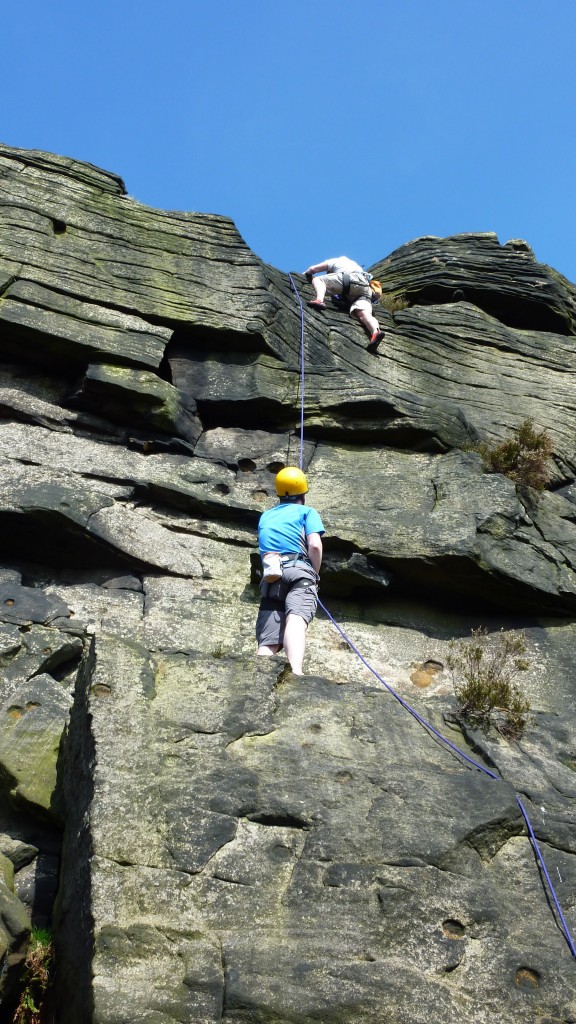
[[422, 721], [294, 288], [476, 764]]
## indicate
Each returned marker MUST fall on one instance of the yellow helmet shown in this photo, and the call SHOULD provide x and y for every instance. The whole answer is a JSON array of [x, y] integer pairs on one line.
[[290, 482]]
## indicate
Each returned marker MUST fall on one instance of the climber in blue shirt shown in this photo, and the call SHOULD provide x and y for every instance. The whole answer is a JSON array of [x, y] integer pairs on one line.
[[289, 538]]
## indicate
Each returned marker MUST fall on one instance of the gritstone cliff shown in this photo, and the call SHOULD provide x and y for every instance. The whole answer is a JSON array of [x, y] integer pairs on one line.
[[239, 844]]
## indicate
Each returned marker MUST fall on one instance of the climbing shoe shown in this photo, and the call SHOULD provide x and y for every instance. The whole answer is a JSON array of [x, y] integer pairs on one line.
[[375, 341], [314, 304]]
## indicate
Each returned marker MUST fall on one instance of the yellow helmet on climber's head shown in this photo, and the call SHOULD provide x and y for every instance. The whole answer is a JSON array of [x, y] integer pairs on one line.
[[291, 482]]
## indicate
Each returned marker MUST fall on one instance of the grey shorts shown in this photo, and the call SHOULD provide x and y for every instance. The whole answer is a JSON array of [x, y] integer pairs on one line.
[[296, 592]]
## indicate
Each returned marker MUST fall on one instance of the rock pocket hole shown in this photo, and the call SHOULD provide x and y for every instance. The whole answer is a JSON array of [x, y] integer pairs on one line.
[[281, 853], [423, 675], [222, 489], [246, 465], [453, 929], [31, 705], [275, 467], [278, 820], [9, 602], [101, 690], [449, 968], [526, 978], [58, 226], [344, 778], [260, 495], [433, 667], [14, 711]]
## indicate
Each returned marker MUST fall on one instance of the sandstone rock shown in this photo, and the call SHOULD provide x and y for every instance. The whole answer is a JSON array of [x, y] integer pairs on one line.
[[36, 886], [505, 280], [31, 397], [36, 163], [181, 267], [25, 605], [312, 838], [240, 842], [442, 524], [51, 328], [31, 726], [44, 650], [138, 397], [19, 853], [33, 847], [11, 642], [14, 936]]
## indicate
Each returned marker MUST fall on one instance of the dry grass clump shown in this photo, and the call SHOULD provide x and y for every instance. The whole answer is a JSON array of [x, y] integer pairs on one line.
[[483, 669], [524, 457], [394, 302]]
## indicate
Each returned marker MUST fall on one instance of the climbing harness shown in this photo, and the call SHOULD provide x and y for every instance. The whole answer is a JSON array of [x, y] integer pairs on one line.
[[273, 564], [290, 561], [548, 887], [344, 300]]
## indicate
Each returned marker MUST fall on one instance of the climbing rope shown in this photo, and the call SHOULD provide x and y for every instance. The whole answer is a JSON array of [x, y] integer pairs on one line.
[[536, 849], [302, 363], [422, 721], [405, 705], [476, 764]]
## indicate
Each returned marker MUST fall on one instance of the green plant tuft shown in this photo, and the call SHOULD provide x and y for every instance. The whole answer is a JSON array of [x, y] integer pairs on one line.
[[524, 457], [37, 980], [394, 302], [483, 669]]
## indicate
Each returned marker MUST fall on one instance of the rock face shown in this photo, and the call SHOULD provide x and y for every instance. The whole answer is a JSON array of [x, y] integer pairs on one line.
[[241, 844]]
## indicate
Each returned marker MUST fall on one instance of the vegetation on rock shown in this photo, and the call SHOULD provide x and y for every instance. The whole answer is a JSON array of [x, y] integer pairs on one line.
[[483, 669], [524, 457], [33, 1007], [229, 828], [394, 302]]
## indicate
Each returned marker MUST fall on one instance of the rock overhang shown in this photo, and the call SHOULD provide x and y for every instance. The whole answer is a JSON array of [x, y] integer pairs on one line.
[[150, 393]]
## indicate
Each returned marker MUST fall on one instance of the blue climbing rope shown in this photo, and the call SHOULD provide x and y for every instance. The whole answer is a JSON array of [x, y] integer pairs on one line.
[[294, 288], [405, 705], [540, 858], [476, 764], [422, 721]]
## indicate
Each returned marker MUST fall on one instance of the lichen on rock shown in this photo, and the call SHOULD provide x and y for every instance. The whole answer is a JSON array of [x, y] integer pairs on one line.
[[239, 843]]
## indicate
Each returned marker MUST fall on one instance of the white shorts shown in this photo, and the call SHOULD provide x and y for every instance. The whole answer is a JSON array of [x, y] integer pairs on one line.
[[361, 303], [359, 293]]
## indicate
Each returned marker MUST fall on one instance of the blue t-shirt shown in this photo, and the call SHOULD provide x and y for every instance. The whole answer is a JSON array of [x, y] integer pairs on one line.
[[286, 526]]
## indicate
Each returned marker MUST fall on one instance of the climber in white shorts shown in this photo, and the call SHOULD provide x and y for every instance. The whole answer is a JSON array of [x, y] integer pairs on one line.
[[346, 278]]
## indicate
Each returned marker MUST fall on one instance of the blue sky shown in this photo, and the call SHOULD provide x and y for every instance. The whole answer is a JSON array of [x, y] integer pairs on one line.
[[320, 129]]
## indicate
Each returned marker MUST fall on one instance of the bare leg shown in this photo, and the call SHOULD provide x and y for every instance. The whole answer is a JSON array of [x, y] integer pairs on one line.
[[319, 288], [268, 650], [369, 322], [295, 641]]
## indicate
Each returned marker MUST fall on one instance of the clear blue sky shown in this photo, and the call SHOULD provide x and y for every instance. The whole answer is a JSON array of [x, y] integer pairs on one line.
[[320, 128]]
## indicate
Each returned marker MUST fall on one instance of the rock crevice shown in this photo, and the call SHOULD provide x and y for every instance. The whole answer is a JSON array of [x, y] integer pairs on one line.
[[229, 841]]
